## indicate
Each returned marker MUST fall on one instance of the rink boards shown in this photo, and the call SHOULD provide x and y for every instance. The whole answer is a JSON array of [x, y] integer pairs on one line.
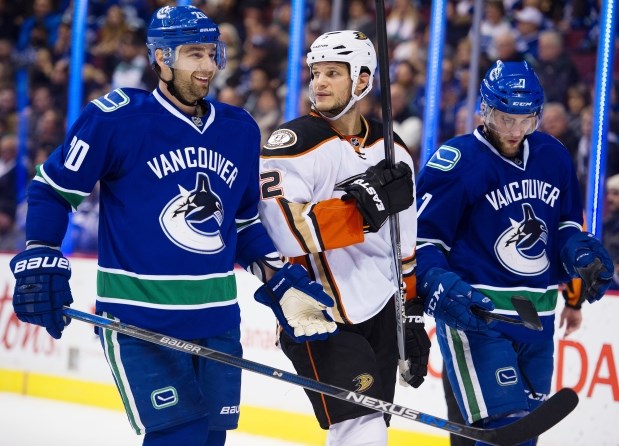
[[74, 369]]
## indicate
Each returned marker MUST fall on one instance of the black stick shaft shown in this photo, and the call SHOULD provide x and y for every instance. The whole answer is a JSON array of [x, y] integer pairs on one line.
[[394, 222]]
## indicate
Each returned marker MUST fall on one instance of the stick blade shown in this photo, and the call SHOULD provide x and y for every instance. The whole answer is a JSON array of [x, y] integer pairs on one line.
[[556, 408], [527, 312]]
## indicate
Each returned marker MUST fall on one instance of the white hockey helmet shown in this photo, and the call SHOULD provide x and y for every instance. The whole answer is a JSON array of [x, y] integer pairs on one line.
[[348, 46]]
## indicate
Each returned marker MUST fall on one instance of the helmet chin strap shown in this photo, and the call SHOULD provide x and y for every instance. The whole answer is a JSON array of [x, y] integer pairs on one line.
[[312, 97]]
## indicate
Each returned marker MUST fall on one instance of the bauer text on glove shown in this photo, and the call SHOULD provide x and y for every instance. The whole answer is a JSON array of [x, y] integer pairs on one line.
[[42, 288]]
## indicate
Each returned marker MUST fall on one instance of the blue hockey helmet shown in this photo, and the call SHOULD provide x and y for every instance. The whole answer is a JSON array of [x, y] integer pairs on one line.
[[172, 26], [512, 87]]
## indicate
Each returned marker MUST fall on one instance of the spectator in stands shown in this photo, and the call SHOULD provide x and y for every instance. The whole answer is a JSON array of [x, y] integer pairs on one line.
[[8, 106], [7, 63], [59, 83], [555, 122], [130, 70], [50, 129], [459, 19], [8, 172], [361, 18], [9, 28], [529, 21], [405, 124], [506, 47], [62, 47], [41, 100], [404, 73], [610, 226], [229, 95], [230, 36], [578, 97], [584, 150], [553, 66], [494, 22], [109, 35], [42, 24], [258, 82], [402, 21], [11, 237], [461, 119], [39, 72], [320, 21], [267, 113]]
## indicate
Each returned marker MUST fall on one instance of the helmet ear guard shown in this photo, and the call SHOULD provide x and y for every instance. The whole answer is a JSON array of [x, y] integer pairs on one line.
[[173, 26]]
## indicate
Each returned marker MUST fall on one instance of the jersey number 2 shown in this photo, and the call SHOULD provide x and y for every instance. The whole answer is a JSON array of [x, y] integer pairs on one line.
[[269, 184]]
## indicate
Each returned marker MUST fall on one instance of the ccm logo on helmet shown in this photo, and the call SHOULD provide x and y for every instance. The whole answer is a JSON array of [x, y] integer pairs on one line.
[[42, 262], [526, 104]]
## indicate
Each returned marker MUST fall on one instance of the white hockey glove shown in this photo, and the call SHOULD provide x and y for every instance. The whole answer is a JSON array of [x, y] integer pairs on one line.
[[299, 304]]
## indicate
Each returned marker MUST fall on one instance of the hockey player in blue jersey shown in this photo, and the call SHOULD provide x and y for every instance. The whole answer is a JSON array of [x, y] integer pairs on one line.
[[500, 215], [179, 193]]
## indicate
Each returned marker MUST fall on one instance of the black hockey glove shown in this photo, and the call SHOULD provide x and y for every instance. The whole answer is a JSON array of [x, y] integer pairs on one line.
[[584, 256], [380, 192], [42, 288], [417, 343]]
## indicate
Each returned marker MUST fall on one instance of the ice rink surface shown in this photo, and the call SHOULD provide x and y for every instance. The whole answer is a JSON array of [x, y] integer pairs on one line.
[[28, 421]]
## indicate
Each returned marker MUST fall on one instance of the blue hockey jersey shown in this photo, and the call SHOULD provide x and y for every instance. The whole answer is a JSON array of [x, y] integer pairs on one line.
[[178, 207], [498, 223]]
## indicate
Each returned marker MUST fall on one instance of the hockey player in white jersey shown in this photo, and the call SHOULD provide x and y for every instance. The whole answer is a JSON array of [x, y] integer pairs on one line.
[[179, 206], [501, 216], [326, 195]]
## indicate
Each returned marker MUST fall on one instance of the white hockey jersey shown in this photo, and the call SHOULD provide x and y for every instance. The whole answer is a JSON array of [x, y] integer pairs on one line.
[[303, 167]]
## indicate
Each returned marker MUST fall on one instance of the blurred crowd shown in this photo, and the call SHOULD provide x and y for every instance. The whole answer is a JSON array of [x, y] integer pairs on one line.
[[559, 38]]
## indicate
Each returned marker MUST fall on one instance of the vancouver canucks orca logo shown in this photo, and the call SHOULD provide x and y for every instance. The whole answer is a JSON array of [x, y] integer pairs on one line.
[[192, 219], [522, 247]]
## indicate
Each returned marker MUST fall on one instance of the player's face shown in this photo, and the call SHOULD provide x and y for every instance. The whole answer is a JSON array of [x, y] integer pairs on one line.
[[331, 85], [194, 68], [509, 130]]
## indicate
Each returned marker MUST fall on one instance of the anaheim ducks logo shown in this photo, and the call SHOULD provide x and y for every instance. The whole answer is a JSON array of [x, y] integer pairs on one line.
[[280, 139], [360, 36], [363, 382]]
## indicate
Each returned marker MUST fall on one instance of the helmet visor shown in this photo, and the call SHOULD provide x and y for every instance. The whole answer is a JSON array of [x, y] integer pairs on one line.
[[506, 123], [200, 56]]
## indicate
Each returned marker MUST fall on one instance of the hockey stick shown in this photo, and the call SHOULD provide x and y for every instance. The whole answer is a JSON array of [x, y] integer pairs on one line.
[[537, 422], [589, 274], [525, 309], [394, 222]]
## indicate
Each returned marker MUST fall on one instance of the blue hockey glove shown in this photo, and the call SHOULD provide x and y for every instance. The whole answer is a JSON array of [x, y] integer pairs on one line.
[[42, 288], [584, 257], [416, 343], [449, 298], [298, 303]]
